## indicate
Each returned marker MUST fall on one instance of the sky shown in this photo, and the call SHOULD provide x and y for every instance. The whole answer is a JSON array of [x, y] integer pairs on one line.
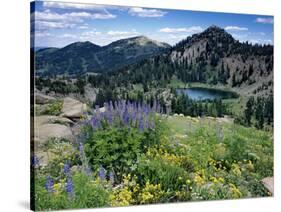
[[57, 24]]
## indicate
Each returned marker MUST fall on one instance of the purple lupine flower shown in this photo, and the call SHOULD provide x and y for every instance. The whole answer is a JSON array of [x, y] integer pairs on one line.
[[110, 106], [111, 177], [126, 118], [35, 162], [146, 110], [94, 122], [141, 124], [69, 187], [134, 118], [66, 169], [102, 173], [97, 107], [110, 118], [146, 123], [49, 185]]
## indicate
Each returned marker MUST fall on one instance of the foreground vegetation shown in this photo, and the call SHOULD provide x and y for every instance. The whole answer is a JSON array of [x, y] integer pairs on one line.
[[131, 154]]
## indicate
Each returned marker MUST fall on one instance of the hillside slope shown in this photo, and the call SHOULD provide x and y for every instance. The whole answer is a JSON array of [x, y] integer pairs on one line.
[[212, 57], [81, 57]]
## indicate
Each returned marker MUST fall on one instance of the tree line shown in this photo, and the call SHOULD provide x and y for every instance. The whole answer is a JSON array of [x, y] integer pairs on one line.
[[258, 112]]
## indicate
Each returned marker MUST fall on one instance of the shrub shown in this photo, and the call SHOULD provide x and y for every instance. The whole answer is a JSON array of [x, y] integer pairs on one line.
[[114, 148], [116, 137], [156, 171], [53, 108]]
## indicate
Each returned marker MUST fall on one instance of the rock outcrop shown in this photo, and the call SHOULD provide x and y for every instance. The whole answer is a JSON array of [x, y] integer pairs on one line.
[[47, 127], [73, 108], [43, 99], [268, 182]]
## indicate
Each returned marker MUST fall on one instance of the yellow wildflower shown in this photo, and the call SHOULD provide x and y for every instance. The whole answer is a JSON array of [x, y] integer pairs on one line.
[[199, 180], [235, 191]]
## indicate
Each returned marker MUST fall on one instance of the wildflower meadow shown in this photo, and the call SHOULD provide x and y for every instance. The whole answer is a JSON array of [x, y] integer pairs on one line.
[[131, 153]]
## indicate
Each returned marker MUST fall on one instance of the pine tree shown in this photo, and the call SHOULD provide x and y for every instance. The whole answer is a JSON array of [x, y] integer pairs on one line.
[[233, 80], [249, 110], [259, 113]]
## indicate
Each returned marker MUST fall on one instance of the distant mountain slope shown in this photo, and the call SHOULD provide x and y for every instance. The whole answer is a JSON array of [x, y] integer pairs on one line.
[[82, 57], [212, 57], [37, 48]]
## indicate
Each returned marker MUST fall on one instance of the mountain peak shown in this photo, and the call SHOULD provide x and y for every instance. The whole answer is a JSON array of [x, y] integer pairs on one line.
[[141, 41], [82, 44], [81, 57], [214, 27], [215, 30], [214, 33]]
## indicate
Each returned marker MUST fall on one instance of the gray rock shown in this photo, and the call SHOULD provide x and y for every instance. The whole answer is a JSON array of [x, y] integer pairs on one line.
[[73, 108], [268, 182], [49, 127], [46, 127], [46, 119], [43, 99], [90, 93], [46, 131]]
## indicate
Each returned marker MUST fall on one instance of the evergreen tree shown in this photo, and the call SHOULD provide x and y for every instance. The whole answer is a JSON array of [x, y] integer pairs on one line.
[[249, 110], [233, 80], [259, 113]]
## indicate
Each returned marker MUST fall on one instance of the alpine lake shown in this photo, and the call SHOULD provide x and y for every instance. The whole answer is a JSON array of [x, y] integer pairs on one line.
[[199, 93]]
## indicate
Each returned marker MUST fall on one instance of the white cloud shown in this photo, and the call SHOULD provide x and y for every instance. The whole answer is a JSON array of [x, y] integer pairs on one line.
[[235, 28], [84, 27], [264, 20], [122, 33], [73, 16], [92, 36], [193, 29], [146, 13], [72, 36], [51, 20], [65, 5], [97, 11], [90, 33], [45, 25], [42, 34]]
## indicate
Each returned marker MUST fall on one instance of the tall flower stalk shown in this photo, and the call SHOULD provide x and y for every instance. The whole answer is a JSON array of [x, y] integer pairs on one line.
[[128, 114]]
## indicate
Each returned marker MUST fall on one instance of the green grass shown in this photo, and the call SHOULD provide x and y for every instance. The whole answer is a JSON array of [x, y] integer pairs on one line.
[[214, 138]]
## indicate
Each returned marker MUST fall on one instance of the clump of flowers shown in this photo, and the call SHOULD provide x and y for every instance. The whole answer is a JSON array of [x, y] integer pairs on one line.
[[129, 114], [66, 169], [102, 173], [151, 193], [49, 185], [236, 193], [123, 196], [35, 162], [69, 188]]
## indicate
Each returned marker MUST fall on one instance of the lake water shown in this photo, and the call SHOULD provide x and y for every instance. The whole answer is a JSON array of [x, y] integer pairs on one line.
[[205, 93]]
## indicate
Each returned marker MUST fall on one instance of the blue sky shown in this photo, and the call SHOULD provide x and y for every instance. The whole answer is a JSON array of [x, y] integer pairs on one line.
[[59, 24]]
